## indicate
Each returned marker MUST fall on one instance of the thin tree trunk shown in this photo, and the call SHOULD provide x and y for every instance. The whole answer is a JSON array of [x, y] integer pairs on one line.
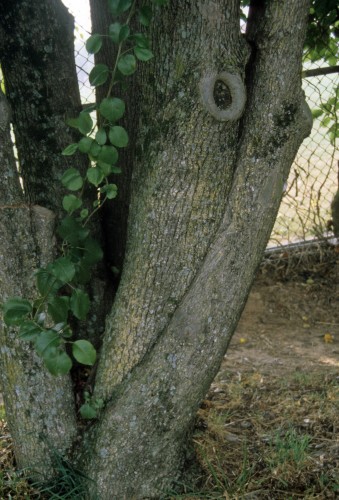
[[37, 60]]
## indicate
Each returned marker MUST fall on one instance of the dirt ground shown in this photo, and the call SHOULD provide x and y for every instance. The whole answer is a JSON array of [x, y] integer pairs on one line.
[[269, 427], [287, 326]]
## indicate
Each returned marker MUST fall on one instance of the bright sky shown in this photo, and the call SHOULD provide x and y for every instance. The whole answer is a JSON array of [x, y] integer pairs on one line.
[[81, 11]]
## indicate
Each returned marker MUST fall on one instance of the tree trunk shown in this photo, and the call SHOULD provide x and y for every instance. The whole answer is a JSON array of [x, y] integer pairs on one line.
[[204, 199], [37, 62], [222, 117], [41, 89]]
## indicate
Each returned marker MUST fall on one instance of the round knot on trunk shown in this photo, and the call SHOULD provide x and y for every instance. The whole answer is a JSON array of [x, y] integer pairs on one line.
[[223, 95]]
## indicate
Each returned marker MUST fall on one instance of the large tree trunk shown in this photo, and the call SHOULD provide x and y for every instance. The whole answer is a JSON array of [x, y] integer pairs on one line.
[[208, 180], [204, 199]]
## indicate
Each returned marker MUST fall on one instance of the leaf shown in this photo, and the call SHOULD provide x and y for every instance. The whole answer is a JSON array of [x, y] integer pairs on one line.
[[116, 170], [84, 352], [84, 213], [92, 251], [72, 179], [127, 64], [29, 330], [119, 6], [85, 144], [46, 342], [110, 190], [70, 150], [98, 75], [94, 44], [79, 303], [95, 176], [15, 310], [58, 308], [140, 40], [70, 203], [47, 283], [108, 154], [63, 269], [57, 362], [101, 136], [114, 31], [317, 112], [112, 108], [72, 231], [124, 33], [143, 54], [87, 411], [105, 168], [95, 149], [145, 15], [118, 136], [85, 122]]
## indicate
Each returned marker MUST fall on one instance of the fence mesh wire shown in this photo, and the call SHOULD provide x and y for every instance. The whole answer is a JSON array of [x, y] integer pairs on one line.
[[305, 211]]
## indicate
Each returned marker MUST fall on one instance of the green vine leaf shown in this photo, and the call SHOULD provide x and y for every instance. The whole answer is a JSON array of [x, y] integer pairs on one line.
[[140, 40], [143, 54], [57, 362], [79, 303], [145, 15], [85, 144], [72, 231], [29, 330], [95, 176], [127, 64], [87, 411], [63, 269], [119, 6], [85, 122], [15, 310], [70, 203], [108, 154], [110, 190], [46, 343], [118, 32], [47, 283], [58, 308], [70, 149], [112, 108], [101, 136], [94, 44], [98, 75], [92, 251], [118, 136], [84, 352], [72, 179]]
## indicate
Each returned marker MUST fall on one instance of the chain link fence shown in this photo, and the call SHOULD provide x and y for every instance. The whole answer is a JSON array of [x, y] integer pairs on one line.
[[305, 211]]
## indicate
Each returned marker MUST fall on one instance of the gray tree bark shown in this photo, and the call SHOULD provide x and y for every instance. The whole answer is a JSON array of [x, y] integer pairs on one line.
[[222, 117], [205, 195]]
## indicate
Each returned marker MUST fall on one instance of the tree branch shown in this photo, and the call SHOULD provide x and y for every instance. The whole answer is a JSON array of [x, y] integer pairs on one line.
[[320, 71]]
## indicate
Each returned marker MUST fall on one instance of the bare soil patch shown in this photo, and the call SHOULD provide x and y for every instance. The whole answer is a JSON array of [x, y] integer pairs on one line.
[[269, 428]]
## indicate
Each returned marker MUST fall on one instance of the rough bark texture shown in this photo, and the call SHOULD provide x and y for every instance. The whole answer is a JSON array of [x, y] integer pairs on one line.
[[115, 212], [41, 85], [196, 236], [39, 408], [205, 193]]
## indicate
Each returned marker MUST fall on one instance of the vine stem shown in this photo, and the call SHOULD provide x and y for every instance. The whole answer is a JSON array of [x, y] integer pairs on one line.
[[128, 20]]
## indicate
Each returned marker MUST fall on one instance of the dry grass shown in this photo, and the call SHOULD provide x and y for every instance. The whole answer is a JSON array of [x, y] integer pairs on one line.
[[271, 438], [256, 438]]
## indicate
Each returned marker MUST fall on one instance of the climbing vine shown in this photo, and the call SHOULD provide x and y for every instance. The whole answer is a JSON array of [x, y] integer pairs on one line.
[[47, 321]]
